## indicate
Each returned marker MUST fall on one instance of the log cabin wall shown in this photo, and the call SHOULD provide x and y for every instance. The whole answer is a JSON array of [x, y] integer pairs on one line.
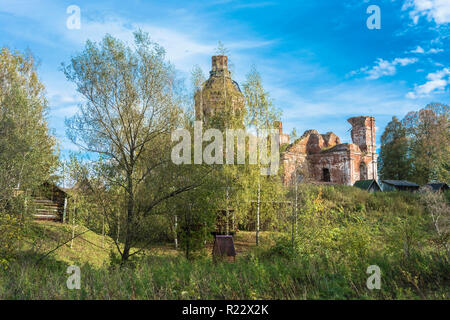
[[49, 202]]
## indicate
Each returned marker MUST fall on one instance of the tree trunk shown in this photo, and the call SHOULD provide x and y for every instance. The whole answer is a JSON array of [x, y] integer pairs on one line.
[[130, 218], [257, 214], [175, 232], [259, 188], [294, 218], [188, 242], [103, 229], [73, 226], [227, 228]]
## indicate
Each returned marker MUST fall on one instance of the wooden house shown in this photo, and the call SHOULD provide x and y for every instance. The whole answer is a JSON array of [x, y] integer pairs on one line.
[[50, 202], [438, 186], [399, 185]]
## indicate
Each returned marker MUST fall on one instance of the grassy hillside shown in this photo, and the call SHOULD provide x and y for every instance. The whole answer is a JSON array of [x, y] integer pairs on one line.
[[89, 247], [341, 231], [94, 249]]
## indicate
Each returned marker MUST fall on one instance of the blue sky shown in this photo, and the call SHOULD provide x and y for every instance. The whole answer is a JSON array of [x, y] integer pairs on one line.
[[319, 61]]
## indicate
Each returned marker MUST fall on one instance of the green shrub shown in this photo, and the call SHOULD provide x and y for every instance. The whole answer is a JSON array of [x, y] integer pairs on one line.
[[10, 235], [341, 231]]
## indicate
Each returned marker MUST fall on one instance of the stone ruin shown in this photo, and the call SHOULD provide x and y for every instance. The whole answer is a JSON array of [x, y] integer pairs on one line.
[[323, 158], [319, 158]]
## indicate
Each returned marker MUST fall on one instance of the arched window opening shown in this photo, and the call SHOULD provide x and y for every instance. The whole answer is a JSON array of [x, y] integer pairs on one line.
[[326, 175], [362, 171]]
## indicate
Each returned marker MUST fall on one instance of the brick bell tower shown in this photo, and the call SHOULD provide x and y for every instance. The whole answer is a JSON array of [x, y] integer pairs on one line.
[[219, 67], [219, 93], [363, 135]]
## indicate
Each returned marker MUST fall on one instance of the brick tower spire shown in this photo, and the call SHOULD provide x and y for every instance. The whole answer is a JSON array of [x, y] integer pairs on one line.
[[363, 133], [219, 93]]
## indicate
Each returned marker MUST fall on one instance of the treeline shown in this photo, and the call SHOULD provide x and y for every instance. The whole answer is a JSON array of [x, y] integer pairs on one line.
[[417, 148], [123, 182], [27, 151]]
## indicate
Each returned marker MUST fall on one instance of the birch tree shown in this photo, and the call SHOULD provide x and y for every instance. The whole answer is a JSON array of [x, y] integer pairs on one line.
[[260, 115], [130, 109], [27, 150]]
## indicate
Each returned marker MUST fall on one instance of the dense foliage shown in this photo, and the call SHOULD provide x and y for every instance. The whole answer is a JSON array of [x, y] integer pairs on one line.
[[27, 150], [342, 230], [417, 148]]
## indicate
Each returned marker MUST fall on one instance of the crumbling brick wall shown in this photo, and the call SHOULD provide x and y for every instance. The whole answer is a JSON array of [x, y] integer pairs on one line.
[[328, 160]]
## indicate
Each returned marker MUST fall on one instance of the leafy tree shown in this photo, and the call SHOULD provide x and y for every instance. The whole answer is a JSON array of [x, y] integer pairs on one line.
[[196, 209], [242, 184], [294, 135], [261, 114], [418, 147], [131, 108], [439, 210], [27, 151], [221, 50], [197, 80], [394, 161], [429, 133]]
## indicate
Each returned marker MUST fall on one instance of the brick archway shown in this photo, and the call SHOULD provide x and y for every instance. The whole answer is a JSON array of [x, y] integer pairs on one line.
[[363, 175]]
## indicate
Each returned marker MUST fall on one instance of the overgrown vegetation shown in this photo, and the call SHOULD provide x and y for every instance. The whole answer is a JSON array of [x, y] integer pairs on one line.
[[27, 150], [341, 231], [417, 148]]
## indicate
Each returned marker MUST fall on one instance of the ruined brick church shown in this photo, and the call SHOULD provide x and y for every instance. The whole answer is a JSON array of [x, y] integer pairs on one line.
[[320, 158], [323, 158]]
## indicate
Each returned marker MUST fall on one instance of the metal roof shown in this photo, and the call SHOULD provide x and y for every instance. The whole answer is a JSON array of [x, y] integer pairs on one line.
[[436, 186], [365, 184], [400, 183]]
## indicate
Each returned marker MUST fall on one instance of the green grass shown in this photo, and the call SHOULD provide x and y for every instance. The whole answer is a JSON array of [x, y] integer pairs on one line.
[[95, 249], [89, 247], [251, 277], [340, 235]]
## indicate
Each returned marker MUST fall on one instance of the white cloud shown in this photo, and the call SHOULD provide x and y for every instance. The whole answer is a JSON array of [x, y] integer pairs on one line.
[[184, 43], [434, 50], [404, 61], [437, 82], [61, 97], [326, 108], [381, 68], [254, 5], [420, 50], [437, 10], [183, 47], [384, 68]]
